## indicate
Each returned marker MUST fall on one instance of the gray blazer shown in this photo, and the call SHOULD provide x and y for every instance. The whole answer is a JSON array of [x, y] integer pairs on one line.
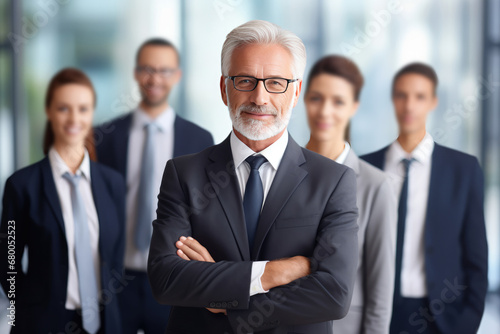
[[371, 305]]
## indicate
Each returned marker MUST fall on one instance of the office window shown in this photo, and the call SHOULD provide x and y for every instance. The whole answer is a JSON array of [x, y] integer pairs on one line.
[[101, 38]]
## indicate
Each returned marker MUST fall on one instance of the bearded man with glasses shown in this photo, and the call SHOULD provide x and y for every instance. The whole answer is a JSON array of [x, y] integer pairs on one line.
[[249, 236]]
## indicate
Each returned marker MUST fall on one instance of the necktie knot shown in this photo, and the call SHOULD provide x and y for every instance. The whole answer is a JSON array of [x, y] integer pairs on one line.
[[72, 179], [407, 163], [151, 128], [255, 161]]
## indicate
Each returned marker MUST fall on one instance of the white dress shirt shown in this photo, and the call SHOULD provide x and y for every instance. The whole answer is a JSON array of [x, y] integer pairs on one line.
[[413, 278], [164, 150], [341, 158], [267, 171], [63, 188]]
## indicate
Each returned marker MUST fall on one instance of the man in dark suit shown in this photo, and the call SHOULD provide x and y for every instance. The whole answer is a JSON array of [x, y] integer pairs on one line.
[[441, 256], [138, 145], [256, 234]]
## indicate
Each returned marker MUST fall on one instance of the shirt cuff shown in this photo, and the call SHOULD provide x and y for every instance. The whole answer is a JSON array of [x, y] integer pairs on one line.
[[258, 268]]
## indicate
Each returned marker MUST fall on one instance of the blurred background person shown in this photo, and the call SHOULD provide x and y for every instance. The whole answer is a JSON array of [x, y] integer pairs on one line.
[[331, 100], [138, 145], [68, 212], [441, 251]]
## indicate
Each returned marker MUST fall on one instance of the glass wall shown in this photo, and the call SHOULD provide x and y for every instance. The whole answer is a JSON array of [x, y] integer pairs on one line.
[[101, 38], [6, 110]]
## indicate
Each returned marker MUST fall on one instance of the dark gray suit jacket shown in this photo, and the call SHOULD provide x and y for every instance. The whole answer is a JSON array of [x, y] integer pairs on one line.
[[310, 210]]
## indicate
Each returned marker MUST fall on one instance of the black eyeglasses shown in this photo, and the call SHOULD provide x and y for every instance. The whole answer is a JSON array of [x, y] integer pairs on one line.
[[163, 72], [272, 85]]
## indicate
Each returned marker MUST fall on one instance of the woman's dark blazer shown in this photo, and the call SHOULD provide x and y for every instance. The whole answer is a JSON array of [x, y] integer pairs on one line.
[[32, 221]]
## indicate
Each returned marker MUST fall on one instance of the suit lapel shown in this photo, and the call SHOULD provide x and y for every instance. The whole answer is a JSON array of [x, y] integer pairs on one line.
[[229, 194], [286, 180], [352, 161], [178, 149], [121, 144], [98, 192], [379, 158], [50, 192], [436, 192]]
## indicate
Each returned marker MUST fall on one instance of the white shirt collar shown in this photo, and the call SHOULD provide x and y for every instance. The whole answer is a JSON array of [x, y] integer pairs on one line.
[[422, 153], [60, 167], [273, 153], [341, 158], [164, 121]]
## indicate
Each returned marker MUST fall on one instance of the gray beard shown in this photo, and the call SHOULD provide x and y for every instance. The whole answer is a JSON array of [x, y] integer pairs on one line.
[[255, 129]]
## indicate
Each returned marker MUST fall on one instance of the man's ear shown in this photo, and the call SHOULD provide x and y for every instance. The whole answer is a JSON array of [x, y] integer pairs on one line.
[[223, 91], [296, 93], [136, 75], [435, 102], [178, 76]]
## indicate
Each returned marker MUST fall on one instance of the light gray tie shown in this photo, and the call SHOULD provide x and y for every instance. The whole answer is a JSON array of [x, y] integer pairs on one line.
[[145, 196], [87, 279]]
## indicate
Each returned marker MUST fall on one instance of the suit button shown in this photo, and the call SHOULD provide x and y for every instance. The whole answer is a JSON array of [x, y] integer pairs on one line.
[[212, 305], [224, 305]]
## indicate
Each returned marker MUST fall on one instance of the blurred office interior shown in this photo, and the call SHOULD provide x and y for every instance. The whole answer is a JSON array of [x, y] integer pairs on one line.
[[459, 38]]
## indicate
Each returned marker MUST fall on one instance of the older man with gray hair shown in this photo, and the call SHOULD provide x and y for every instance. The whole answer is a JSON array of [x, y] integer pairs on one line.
[[249, 237]]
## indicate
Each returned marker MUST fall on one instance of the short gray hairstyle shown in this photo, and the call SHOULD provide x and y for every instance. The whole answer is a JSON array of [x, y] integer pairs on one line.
[[263, 32]]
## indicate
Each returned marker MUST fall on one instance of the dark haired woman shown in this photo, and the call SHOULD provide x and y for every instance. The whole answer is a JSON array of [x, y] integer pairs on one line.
[[68, 213], [331, 100]]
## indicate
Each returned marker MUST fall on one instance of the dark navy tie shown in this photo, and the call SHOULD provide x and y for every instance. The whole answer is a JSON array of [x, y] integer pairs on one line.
[[403, 199], [254, 196]]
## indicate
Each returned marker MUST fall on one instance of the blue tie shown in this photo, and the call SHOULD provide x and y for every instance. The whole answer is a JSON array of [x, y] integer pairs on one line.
[[403, 199], [145, 196], [254, 196], [87, 279]]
